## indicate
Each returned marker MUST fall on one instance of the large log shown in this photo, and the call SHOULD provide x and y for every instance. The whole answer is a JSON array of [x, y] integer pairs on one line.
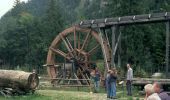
[[19, 80]]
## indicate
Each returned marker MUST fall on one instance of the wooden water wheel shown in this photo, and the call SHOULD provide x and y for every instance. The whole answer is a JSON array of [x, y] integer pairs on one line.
[[77, 45]]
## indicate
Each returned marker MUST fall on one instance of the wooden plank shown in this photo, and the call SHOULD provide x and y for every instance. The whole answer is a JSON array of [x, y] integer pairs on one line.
[[77, 79], [83, 75], [151, 79], [69, 79], [158, 15], [140, 17], [74, 85]]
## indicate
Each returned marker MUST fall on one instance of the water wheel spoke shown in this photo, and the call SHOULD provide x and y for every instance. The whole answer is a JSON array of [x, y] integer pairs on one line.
[[60, 52], [67, 46], [81, 52], [94, 49], [78, 45], [78, 40], [81, 72], [85, 41], [72, 50]]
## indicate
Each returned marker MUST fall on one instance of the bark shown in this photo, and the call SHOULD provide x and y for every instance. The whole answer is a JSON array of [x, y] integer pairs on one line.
[[19, 80]]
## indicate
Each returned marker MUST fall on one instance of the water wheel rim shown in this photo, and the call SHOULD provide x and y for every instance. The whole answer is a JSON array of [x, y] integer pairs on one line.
[[62, 37]]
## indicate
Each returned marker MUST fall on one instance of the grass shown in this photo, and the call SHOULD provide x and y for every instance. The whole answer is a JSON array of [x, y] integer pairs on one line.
[[28, 97], [51, 95], [72, 94]]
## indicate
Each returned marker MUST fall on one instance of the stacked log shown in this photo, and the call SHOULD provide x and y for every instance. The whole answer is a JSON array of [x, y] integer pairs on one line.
[[18, 80]]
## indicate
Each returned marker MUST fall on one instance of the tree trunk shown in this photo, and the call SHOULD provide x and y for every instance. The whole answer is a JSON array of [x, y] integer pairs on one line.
[[20, 80]]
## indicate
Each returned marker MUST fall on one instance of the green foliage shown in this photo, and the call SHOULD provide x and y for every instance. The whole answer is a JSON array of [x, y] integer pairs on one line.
[[70, 95], [100, 65], [26, 37], [140, 72], [55, 23], [142, 45], [27, 30]]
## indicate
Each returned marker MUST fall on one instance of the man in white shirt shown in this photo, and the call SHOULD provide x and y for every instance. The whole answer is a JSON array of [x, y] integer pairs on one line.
[[129, 80]]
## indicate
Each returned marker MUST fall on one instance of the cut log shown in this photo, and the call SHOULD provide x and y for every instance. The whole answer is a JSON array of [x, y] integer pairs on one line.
[[18, 80]]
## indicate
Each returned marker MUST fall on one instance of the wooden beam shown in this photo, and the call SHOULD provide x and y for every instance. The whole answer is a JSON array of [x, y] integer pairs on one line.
[[115, 30], [113, 44], [57, 51], [114, 52], [167, 48], [135, 19], [119, 53], [67, 45], [94, 49], [103, 50], [85, 41]]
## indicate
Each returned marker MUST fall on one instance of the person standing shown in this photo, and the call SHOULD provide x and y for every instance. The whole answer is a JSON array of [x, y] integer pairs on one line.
[[107, 83], [129, 80], [97, 80], [95, 75], [112, 83]]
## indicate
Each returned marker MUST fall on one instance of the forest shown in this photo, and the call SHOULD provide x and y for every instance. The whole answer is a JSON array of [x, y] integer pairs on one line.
[[27, 30]]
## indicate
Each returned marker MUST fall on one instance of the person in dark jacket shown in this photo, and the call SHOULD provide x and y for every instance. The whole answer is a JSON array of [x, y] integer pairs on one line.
[[158, 89], [112, 83]]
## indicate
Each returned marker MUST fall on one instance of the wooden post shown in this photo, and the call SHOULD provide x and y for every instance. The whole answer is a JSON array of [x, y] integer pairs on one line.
[[104, 53], [113, 44], [119, 52], [167, 48], [64, 70]]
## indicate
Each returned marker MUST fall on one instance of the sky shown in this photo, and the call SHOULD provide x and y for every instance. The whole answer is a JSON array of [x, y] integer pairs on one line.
[[6, 5]]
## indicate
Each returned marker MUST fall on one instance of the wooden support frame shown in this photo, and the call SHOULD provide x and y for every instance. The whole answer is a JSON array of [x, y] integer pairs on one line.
[[130, 20]]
